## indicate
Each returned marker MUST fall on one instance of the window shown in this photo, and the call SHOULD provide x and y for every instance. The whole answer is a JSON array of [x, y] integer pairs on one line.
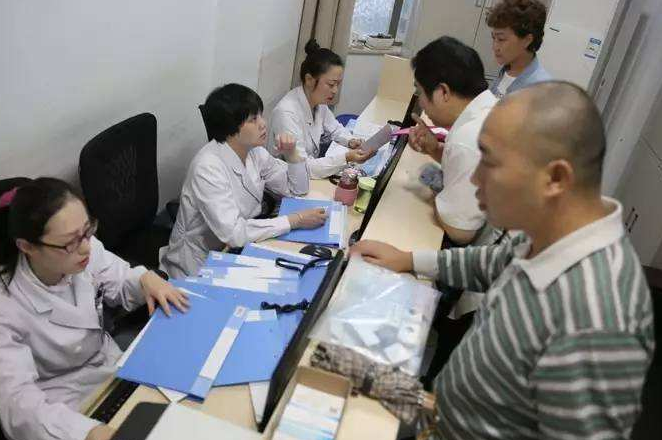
[[373, 17]]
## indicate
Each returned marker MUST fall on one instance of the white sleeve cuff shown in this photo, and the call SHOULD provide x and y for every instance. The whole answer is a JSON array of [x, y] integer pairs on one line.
[[281, 225], [298, 173], [133, 287], [426, 263]]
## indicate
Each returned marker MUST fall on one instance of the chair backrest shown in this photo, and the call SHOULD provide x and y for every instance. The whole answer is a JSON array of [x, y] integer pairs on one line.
[[205, 120], [118, 175]]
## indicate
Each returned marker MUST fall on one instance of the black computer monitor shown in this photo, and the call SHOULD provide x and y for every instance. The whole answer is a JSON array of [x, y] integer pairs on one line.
[[385, 175], [290, 359]]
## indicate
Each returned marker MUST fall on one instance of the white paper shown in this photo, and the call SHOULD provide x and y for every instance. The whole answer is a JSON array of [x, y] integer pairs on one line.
[[222, 347], [242, 259], [335, 149], [261, 315], [256, 285], [376, 141], [180, 422], [259, 392], [172, 395], [282, 251], [262, 272], [364, 129], [336, 223]]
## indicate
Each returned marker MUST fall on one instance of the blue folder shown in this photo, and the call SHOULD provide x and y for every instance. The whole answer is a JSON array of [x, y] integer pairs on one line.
[[322, 235], [254, 354], [173, 351], [308, 285]]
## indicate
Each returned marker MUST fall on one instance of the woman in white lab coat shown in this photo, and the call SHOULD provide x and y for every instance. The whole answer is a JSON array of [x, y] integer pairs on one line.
[[304, 113], [223, 189], [55, 279]]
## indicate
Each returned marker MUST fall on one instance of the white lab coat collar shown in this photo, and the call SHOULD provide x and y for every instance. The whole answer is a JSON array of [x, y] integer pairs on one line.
[[309, 117], [305, 105], [474, 109], [229, 157], [547, 266], [44, 298]]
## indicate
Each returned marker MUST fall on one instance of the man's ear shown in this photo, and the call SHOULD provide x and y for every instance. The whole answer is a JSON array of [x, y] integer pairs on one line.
[[560, 177], [442, 93]]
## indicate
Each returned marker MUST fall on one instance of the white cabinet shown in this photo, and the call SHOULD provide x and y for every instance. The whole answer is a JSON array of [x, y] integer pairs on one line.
[[457, 18], [640, 192]]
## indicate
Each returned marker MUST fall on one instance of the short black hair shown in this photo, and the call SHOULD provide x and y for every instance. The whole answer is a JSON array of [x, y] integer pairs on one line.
[[447, 60], [318, 60], [228, 107]]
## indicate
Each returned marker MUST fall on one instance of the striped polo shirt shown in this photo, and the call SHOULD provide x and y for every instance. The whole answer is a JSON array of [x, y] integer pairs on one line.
[[560, 345]]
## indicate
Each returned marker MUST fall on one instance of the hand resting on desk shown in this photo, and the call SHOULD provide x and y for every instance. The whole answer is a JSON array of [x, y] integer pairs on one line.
[[384, 255], [100, 432]]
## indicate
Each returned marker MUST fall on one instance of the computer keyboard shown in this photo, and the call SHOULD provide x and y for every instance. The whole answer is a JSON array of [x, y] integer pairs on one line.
[[111, 404]]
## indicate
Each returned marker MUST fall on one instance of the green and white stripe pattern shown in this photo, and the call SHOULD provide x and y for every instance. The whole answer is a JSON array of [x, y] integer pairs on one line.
[[566, 361]]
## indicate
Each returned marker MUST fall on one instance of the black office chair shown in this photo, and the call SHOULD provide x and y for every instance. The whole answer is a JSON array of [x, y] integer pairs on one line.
[[118, 175], [649, 425], [205, 120]]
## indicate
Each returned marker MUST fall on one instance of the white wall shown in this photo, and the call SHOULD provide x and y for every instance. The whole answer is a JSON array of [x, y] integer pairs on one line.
[[633, 97], [359, 83], [71, 69]]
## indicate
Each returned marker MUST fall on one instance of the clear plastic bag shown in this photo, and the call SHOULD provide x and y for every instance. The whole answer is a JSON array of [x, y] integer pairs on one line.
[[381, 314]]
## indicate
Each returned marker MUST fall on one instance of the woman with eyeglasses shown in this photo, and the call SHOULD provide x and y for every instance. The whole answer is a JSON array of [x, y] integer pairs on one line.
[[56, 276]]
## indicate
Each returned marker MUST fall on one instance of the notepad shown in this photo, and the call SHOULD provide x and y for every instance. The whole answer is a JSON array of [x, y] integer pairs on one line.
[[331, 233]]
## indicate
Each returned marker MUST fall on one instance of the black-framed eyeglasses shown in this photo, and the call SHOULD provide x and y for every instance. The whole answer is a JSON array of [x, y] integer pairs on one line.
[[74, 244], [302, 267]]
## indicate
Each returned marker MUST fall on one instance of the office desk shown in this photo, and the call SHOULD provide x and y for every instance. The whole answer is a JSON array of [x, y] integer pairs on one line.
[[404, 217]]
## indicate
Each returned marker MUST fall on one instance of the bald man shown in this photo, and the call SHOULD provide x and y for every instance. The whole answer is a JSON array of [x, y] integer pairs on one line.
[[562, 340]]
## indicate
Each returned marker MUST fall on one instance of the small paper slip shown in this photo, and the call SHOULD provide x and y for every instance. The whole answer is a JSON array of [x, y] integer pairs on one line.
[[185, 352], [223, 259], [331, 233], [259, 392], [383, 136], [268, 273], [271, 286]]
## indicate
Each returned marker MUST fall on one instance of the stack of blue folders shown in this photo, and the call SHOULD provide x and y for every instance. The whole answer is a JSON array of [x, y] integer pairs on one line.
[[225, 338], [331, 233]]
